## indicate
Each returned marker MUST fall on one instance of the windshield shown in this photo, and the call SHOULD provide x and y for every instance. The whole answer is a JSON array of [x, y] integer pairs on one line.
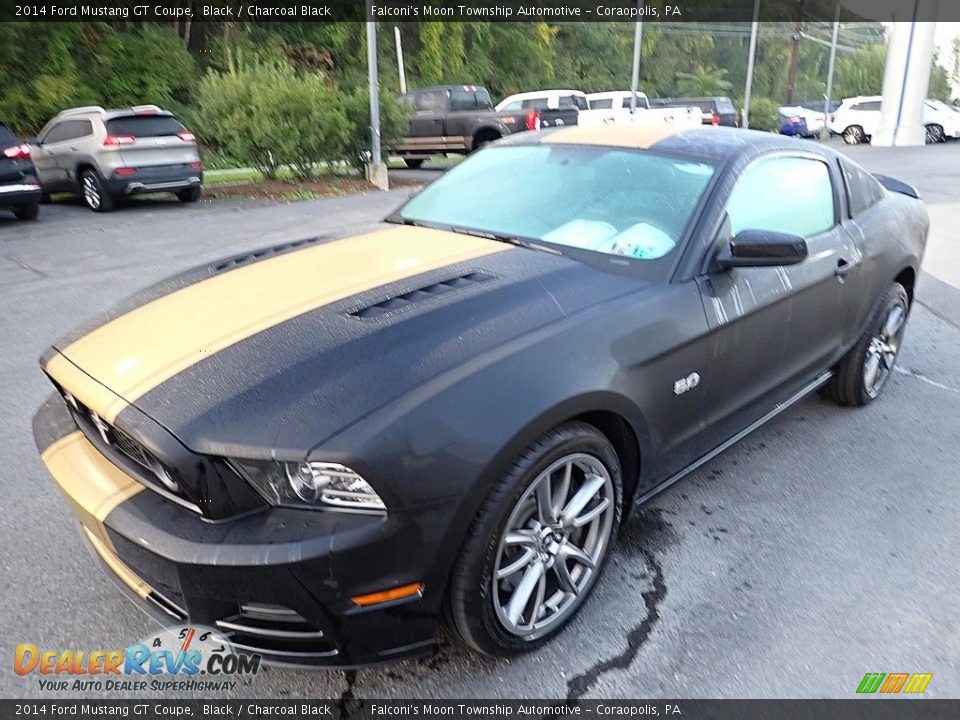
[[623, 203]]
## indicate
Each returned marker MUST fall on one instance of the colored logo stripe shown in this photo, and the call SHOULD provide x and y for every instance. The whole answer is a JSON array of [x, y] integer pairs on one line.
[[894, 683], [918, 682], [871, 682]]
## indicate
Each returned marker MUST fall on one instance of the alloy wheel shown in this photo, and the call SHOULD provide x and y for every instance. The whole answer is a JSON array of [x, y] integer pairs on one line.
[[883, 349], [555, 539], [91, 192], [853, 135]]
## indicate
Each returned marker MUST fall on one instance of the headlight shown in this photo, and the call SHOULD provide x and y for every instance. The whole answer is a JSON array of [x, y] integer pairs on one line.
[[311, 484]]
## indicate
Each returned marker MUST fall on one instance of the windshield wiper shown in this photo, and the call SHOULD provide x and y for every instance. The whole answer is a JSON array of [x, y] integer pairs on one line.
[[509, 239]]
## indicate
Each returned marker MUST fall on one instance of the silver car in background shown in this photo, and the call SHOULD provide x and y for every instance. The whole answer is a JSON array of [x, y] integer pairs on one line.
[[105, 155]]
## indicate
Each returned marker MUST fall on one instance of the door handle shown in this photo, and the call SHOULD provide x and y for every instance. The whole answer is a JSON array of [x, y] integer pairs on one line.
[[74, 148], [840, 271]]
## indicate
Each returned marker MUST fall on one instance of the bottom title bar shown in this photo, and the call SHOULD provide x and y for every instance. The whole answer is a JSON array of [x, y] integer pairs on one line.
[[887, 709]]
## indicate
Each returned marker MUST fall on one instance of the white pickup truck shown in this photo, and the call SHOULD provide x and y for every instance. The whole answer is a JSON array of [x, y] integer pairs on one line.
[[572, 107], [614, 108]]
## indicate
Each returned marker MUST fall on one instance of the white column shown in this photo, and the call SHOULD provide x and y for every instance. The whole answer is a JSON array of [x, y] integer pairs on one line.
[[906, 80]]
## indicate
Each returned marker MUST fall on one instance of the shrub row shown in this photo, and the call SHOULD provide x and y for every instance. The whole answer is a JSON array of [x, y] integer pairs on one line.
[[268, 116]]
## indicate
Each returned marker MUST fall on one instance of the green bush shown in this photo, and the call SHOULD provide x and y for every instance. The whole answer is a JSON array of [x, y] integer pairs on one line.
[[763, 114], [268, 116], [394, 121]]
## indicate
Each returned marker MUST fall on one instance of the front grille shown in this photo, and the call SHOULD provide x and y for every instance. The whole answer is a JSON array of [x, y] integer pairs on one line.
[[126, 452], [131, 448]]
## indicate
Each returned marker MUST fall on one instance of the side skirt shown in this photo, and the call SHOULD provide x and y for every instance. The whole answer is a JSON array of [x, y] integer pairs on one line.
[[696, 464]]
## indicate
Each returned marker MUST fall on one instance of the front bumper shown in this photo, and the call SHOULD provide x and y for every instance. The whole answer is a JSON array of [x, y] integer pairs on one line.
[[277, 582], [159, 178]]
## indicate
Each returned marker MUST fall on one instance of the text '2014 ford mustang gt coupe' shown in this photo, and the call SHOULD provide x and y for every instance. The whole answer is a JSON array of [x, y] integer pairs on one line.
[[323, 447]]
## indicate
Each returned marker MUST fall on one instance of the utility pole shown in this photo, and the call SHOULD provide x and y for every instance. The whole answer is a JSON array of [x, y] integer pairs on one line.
[[825, 133], [751, 57], [403, 75], [376, 170], [635, 74], [795, 52]]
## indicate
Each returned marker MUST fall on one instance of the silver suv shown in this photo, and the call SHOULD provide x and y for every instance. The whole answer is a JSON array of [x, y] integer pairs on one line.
[[105, 155]]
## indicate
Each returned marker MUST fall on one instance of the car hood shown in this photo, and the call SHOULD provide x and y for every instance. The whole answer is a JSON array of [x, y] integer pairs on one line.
[[273, 352]]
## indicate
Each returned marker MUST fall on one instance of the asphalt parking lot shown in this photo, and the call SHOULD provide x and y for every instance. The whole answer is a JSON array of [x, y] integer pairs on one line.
[[823, 547]]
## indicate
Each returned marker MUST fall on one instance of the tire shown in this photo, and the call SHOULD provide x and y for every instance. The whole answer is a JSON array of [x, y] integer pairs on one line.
[[481, 141], [853, 135], [190, 195], [877, 349], [413, 163], [95, 195], [489, 615], [27, 212], [935, 135]]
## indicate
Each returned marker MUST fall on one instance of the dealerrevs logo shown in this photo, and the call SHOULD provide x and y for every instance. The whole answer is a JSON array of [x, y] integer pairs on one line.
[[188, 657]]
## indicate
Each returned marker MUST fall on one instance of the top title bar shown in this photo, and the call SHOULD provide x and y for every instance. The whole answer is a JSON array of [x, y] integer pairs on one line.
[[553, 11]]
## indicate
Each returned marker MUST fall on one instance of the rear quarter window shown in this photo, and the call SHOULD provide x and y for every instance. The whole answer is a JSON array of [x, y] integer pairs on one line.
[[605, 104], [144, 125], [863, 190], [535, 103], [7, 138]]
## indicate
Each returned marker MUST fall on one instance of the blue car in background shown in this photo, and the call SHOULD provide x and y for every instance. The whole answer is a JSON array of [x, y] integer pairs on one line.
[[789, 124]]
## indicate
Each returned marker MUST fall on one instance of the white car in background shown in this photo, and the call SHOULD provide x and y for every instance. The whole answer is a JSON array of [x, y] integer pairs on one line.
[[941, 120], [858, 118]]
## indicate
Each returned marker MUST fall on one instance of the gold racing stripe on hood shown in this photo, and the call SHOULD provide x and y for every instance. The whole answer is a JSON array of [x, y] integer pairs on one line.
[[128, 356]]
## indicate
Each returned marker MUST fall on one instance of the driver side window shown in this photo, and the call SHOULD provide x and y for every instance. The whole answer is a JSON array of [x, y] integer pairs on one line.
[[784, 194]]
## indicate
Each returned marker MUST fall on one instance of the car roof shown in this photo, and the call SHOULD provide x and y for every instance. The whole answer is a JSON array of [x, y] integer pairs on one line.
[[97, 111], [468, 88], [541, 93], [615, 93], [863, 98], [712, 144]]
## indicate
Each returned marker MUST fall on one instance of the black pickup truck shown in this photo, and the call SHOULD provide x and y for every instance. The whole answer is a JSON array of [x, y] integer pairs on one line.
[[456, 119]]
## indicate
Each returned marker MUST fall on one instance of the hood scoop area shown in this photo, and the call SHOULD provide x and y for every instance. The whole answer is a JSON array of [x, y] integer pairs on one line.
[[250, 257], [404, 300]]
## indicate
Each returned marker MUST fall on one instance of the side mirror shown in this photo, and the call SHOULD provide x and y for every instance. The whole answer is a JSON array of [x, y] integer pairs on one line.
[[762, 248]]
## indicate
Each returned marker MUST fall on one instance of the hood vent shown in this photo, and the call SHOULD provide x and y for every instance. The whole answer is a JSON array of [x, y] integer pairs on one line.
[[398, 302], [251, 257]]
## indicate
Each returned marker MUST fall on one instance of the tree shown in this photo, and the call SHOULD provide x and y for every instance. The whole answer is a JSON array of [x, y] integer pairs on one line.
[[955, 62], [703, 81], [860, 73]]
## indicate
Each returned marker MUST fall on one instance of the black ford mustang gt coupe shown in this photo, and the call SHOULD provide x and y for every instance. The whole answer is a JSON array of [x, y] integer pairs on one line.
[[323, 447]]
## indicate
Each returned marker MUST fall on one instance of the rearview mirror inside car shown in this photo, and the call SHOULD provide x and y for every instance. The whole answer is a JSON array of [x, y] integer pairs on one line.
[[762, 248]]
